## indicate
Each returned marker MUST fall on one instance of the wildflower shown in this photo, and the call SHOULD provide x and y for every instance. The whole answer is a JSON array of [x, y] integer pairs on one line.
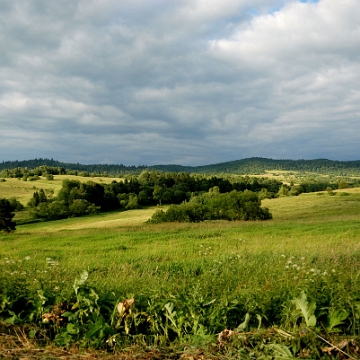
[[333, 270], [27, 258], [302, 258], [287, 266], [282, 255], [312, 270]]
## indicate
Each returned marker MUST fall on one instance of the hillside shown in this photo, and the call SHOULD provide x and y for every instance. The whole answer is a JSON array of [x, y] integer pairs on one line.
[[254, 165], [65, 283]]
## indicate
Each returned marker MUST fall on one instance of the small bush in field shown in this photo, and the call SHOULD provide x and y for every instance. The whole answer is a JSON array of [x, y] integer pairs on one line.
[[235, 205]]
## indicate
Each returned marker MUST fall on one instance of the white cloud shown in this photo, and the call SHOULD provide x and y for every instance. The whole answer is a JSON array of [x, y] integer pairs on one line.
[[297, 38]]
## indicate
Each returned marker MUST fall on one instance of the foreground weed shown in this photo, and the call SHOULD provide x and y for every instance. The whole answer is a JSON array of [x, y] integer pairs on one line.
[[296, 314]]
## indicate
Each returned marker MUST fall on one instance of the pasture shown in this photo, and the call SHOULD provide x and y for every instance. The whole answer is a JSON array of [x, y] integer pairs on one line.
[[23, 190], [195, 280]]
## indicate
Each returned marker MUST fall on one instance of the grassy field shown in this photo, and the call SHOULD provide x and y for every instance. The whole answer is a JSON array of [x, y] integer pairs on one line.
[[213, 273], [23, 190]]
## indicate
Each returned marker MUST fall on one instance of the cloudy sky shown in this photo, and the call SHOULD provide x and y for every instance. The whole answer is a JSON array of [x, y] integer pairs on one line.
[[188, 82]]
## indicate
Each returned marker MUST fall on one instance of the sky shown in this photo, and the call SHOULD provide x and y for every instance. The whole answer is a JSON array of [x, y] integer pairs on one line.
[[190, 82]]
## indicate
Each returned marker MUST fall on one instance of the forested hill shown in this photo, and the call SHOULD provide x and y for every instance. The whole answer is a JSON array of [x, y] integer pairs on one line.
[[260, 165], [245, 166]]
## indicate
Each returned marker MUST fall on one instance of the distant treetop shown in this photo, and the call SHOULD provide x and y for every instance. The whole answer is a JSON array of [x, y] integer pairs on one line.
[[255, 165]]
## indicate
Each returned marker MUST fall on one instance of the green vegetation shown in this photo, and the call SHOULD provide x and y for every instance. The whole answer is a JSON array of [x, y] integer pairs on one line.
[[245, 166], [276, 289], [6, 216], [213, 205], [78, 198]]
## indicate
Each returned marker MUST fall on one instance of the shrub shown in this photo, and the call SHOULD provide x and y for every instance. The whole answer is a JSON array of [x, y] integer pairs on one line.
[[235, 205], [6, 216], [15, 204]]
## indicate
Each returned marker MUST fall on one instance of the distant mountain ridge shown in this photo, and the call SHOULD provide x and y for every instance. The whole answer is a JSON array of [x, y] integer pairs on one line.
[[255, 165]]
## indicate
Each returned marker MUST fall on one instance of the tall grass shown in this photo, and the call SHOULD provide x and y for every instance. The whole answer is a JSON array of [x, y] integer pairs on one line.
[[217, 271]]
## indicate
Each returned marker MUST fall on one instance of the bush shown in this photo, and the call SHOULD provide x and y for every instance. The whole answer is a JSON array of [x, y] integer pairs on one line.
[[215, 206], [15, 204], [81, 207], [51, 211], [6, 216]]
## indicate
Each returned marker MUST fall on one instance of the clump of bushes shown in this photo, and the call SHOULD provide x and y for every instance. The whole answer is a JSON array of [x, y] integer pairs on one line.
[[235, 205]]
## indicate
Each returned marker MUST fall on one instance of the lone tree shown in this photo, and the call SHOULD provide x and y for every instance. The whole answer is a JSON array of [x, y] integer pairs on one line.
[[6, 215]]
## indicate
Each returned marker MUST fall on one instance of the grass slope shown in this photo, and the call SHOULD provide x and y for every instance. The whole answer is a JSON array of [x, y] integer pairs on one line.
[[24, 190], [311, 245], [126, 254]]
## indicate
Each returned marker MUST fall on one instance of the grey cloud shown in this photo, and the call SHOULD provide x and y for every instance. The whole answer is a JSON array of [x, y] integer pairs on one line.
[[189, 82]]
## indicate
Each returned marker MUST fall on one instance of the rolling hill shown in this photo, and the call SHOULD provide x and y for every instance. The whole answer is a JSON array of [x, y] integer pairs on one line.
[[255, 165]]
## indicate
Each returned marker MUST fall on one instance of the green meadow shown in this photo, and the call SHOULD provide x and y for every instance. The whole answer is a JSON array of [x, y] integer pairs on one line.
[[23, 190], [193, 281]]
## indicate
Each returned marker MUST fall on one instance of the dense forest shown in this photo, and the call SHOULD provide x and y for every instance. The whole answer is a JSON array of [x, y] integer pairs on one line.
[[245, 166]]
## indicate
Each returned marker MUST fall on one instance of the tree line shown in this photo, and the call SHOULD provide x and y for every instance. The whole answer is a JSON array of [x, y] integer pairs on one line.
[[255, 165], [78, 198], [191, 196]]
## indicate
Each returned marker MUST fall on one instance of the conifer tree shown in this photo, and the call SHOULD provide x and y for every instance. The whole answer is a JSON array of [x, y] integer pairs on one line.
[[6, 216]]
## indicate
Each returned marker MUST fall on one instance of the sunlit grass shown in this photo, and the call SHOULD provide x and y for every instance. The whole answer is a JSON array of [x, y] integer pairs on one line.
[[23, 190], [213, 272], [124, 253]]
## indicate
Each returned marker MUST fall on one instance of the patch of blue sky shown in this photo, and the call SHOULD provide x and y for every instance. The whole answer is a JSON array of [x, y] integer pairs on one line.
[[271, 9], [256, 11]]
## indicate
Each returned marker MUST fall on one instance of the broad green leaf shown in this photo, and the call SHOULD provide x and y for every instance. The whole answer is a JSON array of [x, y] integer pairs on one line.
[[335, 318], [307, 310], [72, 329]]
